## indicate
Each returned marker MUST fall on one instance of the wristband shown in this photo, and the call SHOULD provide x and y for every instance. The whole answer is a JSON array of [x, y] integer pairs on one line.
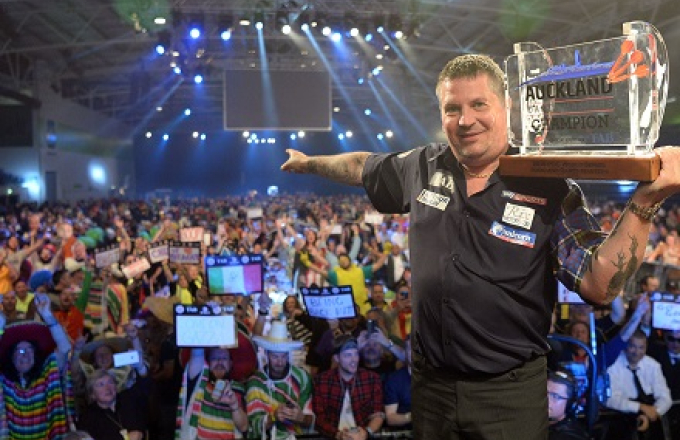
[[369, 431], [646, 213]]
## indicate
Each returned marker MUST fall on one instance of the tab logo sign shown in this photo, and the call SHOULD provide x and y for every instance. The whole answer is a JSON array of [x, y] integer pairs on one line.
[[512, 235]]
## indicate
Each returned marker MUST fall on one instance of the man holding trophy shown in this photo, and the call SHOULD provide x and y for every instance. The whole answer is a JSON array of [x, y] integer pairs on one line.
[[486, 250]]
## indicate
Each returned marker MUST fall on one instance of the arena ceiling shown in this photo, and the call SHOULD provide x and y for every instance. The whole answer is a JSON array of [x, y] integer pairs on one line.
[[100, 53]]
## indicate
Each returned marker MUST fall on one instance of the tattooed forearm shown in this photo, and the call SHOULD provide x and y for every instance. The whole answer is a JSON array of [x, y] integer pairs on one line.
[[343, 168], [624, 272]]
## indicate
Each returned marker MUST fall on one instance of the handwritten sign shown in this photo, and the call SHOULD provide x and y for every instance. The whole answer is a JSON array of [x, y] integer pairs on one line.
[[184, 253], [373, 218], [234, 275], [191, 235], [158, 253], [254, 212], [204, 326], [665, 311], [329, 302], [106, 257], [138, 267]]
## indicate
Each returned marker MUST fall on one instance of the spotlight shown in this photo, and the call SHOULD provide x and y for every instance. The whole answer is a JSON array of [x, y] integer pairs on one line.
[[166, 137], [198, 78], [159, 21], [258, 18], [163, 44], [368, 38], [326, 31], [246, 134], [360, 80], [293, 136], [225, 24], [203, 136], [196, 27], [301, 134], [177, 70], [286, 29], [282, 20], [389, 134], [354, 32], [336, 37], [304, 27], [367, 112], [194, 134], [398, 35], [341, 136], [187, 112], [349, 134], [245, 21], [380, 136], [148, 135]]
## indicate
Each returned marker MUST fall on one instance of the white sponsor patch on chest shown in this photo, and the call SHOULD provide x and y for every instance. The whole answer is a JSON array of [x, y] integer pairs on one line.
[[433, 199], [517, 215]]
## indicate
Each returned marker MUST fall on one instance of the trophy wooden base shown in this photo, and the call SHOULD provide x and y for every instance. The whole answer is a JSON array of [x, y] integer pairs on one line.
[[583, 167]]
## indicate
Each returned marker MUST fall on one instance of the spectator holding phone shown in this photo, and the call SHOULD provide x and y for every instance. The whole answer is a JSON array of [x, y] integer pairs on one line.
[[279, 395], [210, 404]]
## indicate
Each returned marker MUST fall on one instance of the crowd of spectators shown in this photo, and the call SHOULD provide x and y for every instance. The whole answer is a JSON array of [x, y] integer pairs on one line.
[[66, 317]]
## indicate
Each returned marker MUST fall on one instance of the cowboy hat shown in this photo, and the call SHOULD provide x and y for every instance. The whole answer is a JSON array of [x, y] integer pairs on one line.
[[31, 331], [278, 339]]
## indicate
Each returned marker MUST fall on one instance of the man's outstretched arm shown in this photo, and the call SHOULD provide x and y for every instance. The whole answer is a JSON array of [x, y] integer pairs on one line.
[[343, 168]]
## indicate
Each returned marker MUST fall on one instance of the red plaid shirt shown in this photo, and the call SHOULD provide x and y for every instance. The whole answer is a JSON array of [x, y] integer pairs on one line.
[[329, 392]]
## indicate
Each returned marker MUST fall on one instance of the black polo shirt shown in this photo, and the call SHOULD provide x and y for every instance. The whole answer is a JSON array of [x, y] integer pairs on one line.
[[482, 269]]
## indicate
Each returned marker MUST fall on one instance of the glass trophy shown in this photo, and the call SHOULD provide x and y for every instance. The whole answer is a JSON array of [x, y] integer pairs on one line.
[[587, 111]]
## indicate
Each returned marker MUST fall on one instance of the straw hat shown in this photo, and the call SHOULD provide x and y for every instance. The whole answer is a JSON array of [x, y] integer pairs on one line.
[[116, 343], [31, 331], [161, 308], [278, 339]]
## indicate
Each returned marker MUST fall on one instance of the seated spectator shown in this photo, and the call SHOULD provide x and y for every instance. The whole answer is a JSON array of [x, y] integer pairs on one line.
[[562, 402], [112, 415], [348, 399], [398, 394], [668, 356], [205, 409], [639, 392], [34, 377], [279, 395]]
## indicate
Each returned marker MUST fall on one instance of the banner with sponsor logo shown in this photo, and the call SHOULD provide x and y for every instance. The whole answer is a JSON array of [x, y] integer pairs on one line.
[[205, 326], [234, 275], [329, 302]]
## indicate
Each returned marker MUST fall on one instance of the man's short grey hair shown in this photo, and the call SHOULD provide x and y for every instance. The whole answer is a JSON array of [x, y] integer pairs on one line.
[[471, 66]]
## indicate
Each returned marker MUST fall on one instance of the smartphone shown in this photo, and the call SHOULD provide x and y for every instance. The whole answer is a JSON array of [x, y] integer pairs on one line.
[[371, 326], [220, 385], [126, 358]]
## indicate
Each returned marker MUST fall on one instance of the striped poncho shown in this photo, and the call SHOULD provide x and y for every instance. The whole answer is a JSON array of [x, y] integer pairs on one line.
[[38, 411], [264, 395], [200, 417], [116, 304]]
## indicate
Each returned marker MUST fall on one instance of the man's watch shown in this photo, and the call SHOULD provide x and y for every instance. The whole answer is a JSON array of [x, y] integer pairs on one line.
[[369, 431], [646, 213]]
